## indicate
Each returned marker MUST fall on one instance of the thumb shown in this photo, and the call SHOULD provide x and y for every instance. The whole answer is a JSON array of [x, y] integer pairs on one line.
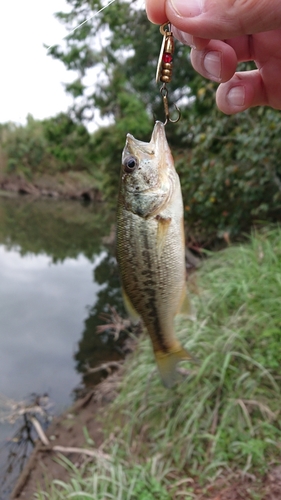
[[222, 19]]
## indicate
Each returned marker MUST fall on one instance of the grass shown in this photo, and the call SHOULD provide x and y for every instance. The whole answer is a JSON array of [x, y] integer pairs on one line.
[[225, 413], [110, 479]]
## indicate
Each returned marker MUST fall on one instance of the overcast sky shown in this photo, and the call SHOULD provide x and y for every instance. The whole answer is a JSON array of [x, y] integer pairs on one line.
[[30, 80]]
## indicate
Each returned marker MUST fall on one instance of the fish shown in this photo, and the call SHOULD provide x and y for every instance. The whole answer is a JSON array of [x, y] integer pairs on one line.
[[151, 245]]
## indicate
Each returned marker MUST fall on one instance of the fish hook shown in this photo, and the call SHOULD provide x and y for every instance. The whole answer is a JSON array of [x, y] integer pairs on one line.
[[164, 92]]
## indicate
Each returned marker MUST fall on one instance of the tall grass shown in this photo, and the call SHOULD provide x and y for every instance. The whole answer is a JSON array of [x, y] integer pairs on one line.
[[225, 412], [110, 479]]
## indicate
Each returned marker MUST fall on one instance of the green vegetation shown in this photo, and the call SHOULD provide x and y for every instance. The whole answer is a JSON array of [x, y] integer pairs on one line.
[[224, 416], [110, 480], [53, 156], [53, 145], [229, 171]]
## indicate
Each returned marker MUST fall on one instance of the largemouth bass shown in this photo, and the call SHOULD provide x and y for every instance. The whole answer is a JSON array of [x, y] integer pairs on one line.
[[150, 244]]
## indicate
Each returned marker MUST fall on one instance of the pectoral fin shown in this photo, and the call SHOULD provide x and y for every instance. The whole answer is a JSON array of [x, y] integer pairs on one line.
[[162, 229], [132, 313], [185, 307], [167, 363]]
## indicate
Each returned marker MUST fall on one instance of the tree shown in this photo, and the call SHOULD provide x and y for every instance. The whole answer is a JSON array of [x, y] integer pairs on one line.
[[123, 48]]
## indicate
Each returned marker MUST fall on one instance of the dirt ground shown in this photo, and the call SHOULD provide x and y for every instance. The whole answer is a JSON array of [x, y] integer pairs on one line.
[[65, 185], [67, 431]]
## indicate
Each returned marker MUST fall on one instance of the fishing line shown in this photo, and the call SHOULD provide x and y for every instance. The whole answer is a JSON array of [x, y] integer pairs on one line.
[[84, 22]]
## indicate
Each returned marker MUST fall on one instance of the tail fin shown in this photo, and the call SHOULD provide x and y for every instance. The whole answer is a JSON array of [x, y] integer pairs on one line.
[[167, 363]]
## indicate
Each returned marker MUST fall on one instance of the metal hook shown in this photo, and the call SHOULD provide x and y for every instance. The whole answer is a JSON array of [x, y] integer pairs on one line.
[[164, 93], [163, 26]]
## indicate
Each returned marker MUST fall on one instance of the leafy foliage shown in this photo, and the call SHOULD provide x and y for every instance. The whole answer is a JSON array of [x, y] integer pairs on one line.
[[53, 145], [229, 172], [24, 147], [68, 142], [123, 48]]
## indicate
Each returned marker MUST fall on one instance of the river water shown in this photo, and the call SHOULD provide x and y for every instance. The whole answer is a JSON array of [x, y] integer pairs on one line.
[[57, 276]]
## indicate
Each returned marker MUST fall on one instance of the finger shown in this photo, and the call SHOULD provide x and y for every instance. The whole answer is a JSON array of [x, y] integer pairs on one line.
[[259, 47], [217, 62], [156, 12], [192, 41], [219, 19], [245, 90]]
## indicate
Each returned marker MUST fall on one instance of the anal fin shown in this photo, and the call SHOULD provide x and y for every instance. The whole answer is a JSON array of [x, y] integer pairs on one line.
[[185, 307]]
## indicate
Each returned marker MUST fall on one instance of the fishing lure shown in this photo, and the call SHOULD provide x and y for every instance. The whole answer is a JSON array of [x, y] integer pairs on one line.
[[164, 70]]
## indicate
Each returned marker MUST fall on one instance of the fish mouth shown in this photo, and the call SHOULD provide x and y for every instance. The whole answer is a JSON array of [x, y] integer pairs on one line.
[[158, 135], [157, 146]]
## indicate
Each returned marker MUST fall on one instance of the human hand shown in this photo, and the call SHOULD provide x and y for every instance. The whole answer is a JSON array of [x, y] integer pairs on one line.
[[223, 33]]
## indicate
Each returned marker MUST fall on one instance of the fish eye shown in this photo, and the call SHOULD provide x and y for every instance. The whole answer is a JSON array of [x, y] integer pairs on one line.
[[130, 163]]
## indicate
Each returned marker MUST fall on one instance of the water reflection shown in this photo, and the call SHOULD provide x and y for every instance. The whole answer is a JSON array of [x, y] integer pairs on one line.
[[90, 353], [42, 309], [59, 229], [56, 277]]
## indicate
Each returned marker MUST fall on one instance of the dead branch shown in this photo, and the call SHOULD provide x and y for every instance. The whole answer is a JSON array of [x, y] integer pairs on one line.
[[64, 449], [105, 366], [39, 431], [83, 451], [114, 322]]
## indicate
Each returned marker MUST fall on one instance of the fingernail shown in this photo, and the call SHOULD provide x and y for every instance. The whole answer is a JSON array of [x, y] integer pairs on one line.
[[212, 64], [183, 37], [188, 40], [236, 96], [187, 8]]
